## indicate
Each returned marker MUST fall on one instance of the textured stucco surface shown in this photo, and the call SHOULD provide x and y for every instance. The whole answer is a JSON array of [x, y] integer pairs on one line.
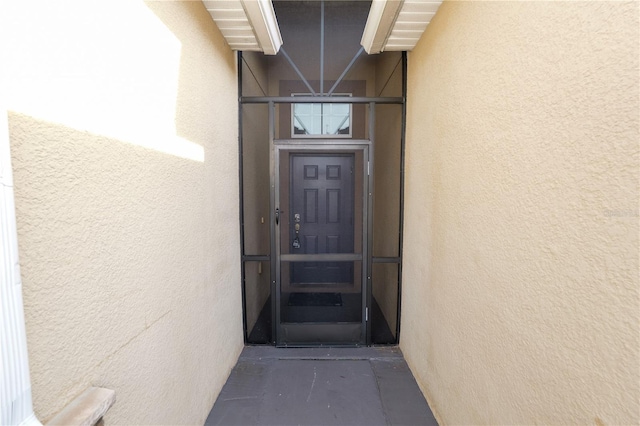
[[520, 285], [123, 131]]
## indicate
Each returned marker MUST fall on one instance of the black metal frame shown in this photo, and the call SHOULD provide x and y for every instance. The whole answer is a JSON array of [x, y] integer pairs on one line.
[[369, 259], [319, 100], [241, 199], [403, 133], [343, 334]]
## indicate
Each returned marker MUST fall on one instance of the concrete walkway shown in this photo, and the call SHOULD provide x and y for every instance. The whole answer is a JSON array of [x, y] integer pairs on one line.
[[321, 386]]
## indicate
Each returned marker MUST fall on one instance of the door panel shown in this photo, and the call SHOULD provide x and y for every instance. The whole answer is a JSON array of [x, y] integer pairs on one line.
[[321, 216]]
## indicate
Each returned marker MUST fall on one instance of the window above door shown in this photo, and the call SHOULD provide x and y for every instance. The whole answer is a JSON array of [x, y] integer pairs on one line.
[[321, 120]]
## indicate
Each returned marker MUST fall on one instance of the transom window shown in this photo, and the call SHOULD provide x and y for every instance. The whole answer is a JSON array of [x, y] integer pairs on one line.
[[318, 120]]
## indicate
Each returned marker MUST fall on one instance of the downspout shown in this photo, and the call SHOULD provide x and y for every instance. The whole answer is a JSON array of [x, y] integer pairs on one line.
[[15, 383]]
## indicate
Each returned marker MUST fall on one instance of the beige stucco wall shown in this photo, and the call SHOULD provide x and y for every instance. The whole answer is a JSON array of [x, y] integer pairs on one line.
[[521, 290], [123, 130]]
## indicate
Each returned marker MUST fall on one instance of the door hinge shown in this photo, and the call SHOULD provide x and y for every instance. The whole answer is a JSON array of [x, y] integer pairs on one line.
[[366, 314], [368, 170]]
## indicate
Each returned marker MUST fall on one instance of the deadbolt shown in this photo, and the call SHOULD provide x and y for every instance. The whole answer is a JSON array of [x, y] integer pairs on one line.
[[296, 240]]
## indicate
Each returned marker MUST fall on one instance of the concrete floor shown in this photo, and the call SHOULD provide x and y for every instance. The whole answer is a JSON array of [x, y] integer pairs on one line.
[[321, 386]]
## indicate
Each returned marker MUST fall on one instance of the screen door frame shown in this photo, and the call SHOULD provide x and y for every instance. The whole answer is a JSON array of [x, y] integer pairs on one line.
[[320, 333]]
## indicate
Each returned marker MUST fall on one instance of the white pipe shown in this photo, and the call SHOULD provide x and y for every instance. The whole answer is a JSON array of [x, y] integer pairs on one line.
[[15, 383]]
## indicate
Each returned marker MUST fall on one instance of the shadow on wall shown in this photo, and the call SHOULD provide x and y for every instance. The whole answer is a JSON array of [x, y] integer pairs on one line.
[[105, 255], [194, 55], [143, 84], [123, 134]]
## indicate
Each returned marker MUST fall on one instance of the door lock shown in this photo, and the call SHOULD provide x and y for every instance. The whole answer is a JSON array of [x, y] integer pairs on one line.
[[296, 240]]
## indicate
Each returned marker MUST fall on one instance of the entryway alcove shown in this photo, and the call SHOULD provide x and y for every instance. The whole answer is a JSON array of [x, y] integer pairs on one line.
[[322, 153]]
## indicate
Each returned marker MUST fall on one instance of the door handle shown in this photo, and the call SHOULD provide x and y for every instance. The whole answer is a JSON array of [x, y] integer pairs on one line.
[[296, 240], [277, 216]]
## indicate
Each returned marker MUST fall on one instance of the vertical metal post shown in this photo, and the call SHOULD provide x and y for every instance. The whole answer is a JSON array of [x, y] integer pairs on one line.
[[322, 48], [275, 258], [402, 160], [241, 188], [369, 258]]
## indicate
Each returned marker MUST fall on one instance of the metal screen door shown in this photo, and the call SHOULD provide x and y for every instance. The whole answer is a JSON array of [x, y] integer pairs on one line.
[[320, 229]]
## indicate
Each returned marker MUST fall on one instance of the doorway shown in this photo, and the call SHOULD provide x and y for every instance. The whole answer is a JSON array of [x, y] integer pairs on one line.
[[317, 109], [321, 242]]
